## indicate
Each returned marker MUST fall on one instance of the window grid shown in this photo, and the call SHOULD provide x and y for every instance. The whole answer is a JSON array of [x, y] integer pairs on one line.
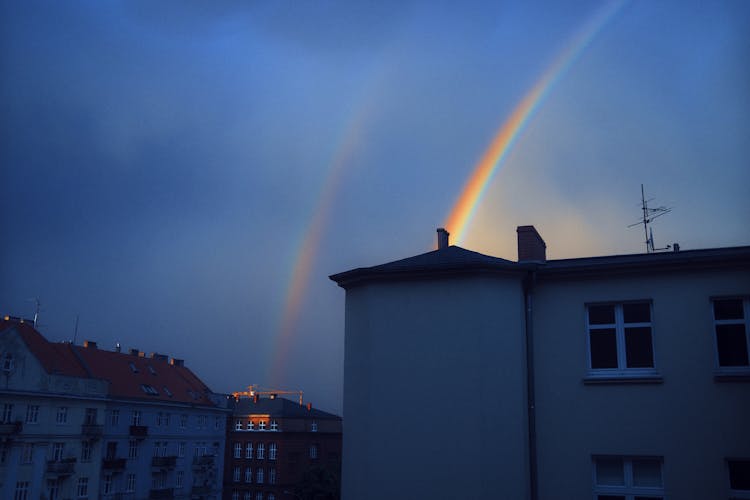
[[731, 317], [628, 487], [619, 327]]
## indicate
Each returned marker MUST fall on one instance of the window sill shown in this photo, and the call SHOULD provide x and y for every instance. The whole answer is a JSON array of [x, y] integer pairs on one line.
[[735, 375], [612, 379]]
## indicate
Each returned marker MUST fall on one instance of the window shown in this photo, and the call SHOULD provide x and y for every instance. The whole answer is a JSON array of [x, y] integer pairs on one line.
[[57, 451], [202, 421], [217, 423], [731, 326], [259, 495], [183, 421], [179, 480], [274, 425], [235, 495], [7, 362], [32, 414], [625, 478], [238, 425], [53, 489], [313, 451], [259, 472], [114, 418], [135, 417], [82, 488], [159, 417], [22, 491], [107, 484], [272, 475], [62, 415], [249, 450], [85, 450], [271, 496], [149, 389], [247, 496], [236, 474], [314, 426], [181, 449], [249, 426], [27, 453], [159, 480], [620, 338], [130, 483], [262, 425], [248, 475], [261, 452], [7, 414], [132, 448], [90, 417], [237, 450], [272, 451], [167, 391], [133, 368], [111, 450], [739, 478]]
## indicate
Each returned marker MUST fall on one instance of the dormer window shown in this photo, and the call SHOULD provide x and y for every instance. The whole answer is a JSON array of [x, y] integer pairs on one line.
[[148, 389], [167, 391], [151, 370], [249, 425], [274, 425], [133, 368], [262, 425], [238, 425]]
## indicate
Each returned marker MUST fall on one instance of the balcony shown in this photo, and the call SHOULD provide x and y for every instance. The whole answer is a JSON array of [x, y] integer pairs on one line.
[[161, 493], [113, 464], [138, 431], [64, 467], [10, 428], [92, 431], [166, 462], [203, 461]]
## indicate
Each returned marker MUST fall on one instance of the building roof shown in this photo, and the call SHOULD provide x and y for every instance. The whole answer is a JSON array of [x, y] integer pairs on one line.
[[168, 382], [457, 260], [277, 407]]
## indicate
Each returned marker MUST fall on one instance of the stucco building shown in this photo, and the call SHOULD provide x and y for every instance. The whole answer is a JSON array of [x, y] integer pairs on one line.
[[83, 422], [617, 377], [279, 449]]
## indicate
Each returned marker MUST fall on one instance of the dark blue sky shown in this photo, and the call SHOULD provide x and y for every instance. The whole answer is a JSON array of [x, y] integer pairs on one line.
[[162, 162]]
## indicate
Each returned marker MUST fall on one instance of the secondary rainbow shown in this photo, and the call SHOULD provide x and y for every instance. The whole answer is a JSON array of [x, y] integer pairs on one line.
[[471, 195]]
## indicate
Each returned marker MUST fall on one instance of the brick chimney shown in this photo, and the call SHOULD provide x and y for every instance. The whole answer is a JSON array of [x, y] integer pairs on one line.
[[531, 246], [442, 238]]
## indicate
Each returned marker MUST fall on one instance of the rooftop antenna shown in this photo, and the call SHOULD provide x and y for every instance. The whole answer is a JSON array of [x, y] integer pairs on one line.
[[75, 332], [37, 310], [649, 214]]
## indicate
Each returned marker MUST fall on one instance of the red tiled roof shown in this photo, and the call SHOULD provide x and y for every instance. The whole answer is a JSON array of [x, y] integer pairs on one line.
[[170, 383]]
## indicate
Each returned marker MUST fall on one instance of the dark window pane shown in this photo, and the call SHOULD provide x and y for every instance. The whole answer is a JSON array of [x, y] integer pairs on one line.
[[639, 312], [732, 344], [739, 475], [601, 315], [609, 472], [610, 497], [603, 348], [728, 309], [638, 349], [649, 498]]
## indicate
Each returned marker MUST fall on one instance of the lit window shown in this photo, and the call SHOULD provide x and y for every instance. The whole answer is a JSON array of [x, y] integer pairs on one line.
[[259, 475], [739, 478], [272, 451], [620, 340], [82, 488], [731, 327], [237, 450], [249, 450], [236, 475], [248, 475], [274, 425], [313, 451], [261, 452], [262, 425], [628, 478], [32, 414]]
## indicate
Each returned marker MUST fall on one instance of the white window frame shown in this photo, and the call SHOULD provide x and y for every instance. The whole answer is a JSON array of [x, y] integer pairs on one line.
[[248, 474], [260, 451], [260, 475], [6, 416], [58, 449], [133, 448], [622, 370], [27, 453], [236, 474], [22, 490], [272, 475], [130, 484], [729, 370], [62, 415], [736, 493], [82, 487], [135, 417], [628, 489], [238, 425], [86, 450], [272, 451], [237, 450], [32, 414], [181, 448], [314, 451], [274, 425], [249, 449], [107, 484], [261, 425], [114, 418], [179, 480], [314, 424]]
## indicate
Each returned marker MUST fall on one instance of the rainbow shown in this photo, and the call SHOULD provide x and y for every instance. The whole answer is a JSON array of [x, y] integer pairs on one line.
[[464, 209]]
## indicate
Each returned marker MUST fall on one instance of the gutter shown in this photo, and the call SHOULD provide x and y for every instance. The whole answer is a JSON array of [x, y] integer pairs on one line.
[[530, 393]]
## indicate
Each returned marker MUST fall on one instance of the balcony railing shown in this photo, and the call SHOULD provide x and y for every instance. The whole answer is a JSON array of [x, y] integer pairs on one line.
[[10, 428], [203, 461], [138, 431], [64, 467], [161, 493], [113, 463], [164, 461], [92, 431]]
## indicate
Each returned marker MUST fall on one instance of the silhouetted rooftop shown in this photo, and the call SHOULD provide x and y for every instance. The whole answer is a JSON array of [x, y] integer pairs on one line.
[[277, 407]]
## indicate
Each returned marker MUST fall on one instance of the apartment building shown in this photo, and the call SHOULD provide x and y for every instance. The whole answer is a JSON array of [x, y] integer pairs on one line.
[[612, 378], [278, 449], [84, 422]]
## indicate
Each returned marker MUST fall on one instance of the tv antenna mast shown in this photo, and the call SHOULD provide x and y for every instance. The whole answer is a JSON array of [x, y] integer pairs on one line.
[[649, 214]]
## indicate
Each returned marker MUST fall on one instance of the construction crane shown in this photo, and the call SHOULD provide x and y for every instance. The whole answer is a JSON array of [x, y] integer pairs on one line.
[[251, 392]]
